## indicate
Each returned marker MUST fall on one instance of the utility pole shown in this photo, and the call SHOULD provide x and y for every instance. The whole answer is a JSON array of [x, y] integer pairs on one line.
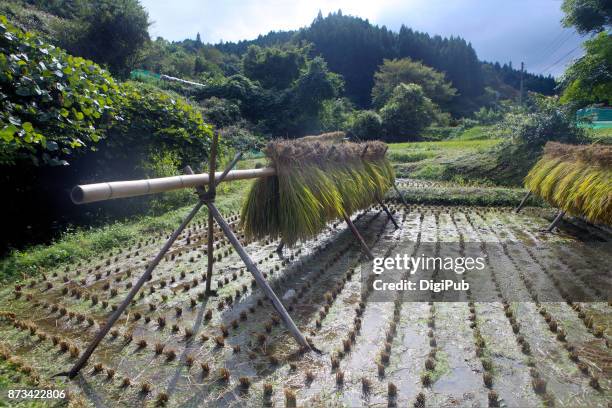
[[521, 88]]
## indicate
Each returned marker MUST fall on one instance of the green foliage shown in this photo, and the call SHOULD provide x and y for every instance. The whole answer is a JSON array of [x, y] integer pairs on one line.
[[220, 112], [546, 120], [589, 79], [366, 125], [111, 32], [314, 85], [407, 113], [335, 114], [394, 72], [273, 67], [86, 244], [165, 163], [488, 116], [52, 103], [587, 15], [241, 139], [150, 119]]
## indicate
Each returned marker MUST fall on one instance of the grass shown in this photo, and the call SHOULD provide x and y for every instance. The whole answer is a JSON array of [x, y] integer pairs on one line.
[[435, 160], [603, 135]]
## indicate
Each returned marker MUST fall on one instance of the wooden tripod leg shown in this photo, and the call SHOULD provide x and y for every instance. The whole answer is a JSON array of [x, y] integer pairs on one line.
[[357, 235], [211, 232], [401, 196], [553, 224], [211, 257], [384, 207], [261, 282], [128, 299], [522, 203]]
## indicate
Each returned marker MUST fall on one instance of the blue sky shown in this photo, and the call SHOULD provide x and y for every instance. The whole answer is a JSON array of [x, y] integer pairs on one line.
[[499, 30]]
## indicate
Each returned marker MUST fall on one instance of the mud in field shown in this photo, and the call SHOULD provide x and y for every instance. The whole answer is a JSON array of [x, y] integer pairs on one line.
[[180, 347]]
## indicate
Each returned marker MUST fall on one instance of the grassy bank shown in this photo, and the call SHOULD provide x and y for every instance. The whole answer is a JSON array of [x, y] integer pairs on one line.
[[85, 243], [432, 160]]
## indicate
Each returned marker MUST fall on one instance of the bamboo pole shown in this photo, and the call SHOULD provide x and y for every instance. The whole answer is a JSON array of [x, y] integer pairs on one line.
[[384, 207], [82, 361], [401, 196], [357, 235], [211, 230], [557, 219], [522, 203], [261, 281], [89, 193]]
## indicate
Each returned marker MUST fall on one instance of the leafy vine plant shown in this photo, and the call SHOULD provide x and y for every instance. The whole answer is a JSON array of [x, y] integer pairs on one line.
[[55, 106]]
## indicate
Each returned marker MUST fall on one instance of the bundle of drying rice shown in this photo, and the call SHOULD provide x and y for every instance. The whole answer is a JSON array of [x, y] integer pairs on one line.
[[576, 179], [318, 179]]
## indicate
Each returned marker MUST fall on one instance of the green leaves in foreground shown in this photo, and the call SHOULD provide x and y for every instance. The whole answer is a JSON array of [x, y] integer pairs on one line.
[[316, 182]]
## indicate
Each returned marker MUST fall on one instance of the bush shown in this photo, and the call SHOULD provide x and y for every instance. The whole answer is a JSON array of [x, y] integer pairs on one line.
[[220, 112], [60, 109], [547, 120], [150, 120], [241, 139], [407, 113], [366, 125]]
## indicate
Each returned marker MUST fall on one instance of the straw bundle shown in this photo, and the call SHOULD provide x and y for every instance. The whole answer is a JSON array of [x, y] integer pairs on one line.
[[576, 179], [318, 180]]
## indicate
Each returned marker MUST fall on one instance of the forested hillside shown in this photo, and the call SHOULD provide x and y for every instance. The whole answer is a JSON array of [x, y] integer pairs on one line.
[[354, 48]]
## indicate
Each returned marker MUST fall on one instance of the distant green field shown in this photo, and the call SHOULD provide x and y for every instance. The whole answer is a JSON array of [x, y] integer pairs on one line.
[[430, 160], [603, 135]]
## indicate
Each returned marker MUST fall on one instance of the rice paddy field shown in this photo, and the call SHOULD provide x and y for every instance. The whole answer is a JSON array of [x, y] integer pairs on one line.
[[178, 347]]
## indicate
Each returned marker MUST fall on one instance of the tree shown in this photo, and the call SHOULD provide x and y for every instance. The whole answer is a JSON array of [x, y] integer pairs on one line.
[[315, 84], [335, 114], [407, 113], [589, 79], [273, 67], [587, 16], [111, 32], [366, 125], [394, 72]]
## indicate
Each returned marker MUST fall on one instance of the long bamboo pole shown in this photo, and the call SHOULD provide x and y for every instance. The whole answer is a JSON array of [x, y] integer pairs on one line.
[[89, 193]]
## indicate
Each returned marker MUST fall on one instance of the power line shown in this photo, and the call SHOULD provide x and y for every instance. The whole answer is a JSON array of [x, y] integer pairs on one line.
[[560, 59], [555, 46]]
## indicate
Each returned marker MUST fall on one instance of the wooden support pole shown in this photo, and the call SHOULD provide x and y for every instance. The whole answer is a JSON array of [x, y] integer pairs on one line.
[[82, 361], [261, 282], [522, 203], [401, 196], [357, 235], [279, 248], [384, 207], [211, 231], [553, 224]]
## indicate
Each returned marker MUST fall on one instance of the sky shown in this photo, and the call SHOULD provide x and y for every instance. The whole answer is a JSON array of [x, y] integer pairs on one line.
[[499, 30]]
